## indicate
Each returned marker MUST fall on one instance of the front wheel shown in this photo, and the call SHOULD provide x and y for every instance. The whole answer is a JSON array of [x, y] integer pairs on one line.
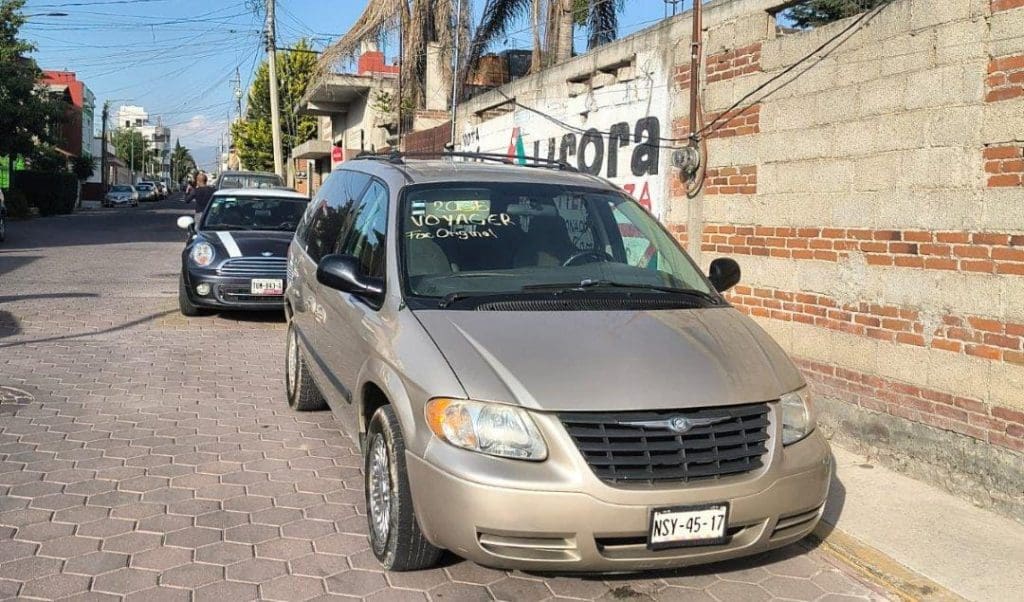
[[303, 394], [395, 535], [185, 304]]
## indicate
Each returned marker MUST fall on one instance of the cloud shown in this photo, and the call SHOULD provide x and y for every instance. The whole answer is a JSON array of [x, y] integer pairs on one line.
[[200, 131]]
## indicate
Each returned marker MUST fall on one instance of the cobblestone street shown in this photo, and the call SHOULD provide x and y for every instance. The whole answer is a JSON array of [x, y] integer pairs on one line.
[[149, 456]]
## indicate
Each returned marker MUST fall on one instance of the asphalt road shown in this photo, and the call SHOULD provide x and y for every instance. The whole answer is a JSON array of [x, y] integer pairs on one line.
[[149, 456]]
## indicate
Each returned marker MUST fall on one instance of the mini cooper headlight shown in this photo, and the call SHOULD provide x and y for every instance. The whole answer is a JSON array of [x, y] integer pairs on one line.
[[797, 415], [489, 428], [202, 254]]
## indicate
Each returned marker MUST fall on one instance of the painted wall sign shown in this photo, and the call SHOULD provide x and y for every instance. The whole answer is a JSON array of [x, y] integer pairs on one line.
[[614, 132]]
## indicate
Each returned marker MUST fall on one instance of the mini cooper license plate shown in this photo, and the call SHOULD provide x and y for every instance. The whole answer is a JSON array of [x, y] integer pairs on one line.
[[682, 526], [267, 286]]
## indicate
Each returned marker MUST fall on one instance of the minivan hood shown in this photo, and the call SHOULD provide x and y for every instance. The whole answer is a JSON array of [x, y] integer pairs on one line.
[[612, 361]]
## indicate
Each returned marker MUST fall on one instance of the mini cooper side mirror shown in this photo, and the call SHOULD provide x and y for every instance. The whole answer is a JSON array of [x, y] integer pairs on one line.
[[724, 273], [186, 222], [341, 272]]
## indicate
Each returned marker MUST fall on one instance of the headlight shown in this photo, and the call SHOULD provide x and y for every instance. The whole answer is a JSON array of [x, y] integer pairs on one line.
[[797, 415], [202, 254], [489, 428]]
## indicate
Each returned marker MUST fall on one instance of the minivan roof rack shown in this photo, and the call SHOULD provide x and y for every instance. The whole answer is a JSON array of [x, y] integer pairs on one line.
[[397, 158]]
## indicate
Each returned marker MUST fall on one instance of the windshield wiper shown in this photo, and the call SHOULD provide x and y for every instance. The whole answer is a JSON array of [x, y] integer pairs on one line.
[[451, 298], [588, 283]]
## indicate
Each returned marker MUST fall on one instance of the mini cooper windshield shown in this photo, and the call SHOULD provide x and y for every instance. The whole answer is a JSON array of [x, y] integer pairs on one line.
[[253, 213], [475, 240]]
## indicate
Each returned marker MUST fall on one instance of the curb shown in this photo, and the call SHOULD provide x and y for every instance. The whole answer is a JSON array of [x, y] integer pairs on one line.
[[902, 582]]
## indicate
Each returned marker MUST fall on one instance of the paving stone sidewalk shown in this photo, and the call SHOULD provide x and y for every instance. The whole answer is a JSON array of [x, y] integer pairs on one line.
[[148, 456]]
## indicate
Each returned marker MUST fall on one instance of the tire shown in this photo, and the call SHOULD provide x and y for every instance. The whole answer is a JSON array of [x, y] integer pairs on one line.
[[185, 304], [303, 394], [3, 229], [395, 536]]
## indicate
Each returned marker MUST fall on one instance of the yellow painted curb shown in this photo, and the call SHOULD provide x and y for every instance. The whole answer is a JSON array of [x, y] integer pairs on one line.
[[901, 582]]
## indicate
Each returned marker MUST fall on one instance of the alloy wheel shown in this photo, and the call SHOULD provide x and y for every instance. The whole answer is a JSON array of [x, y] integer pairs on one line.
[[291, 363], [380, 489]]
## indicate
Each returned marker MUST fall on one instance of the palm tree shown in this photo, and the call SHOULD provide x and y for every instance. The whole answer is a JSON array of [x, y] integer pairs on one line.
[[422, 22]]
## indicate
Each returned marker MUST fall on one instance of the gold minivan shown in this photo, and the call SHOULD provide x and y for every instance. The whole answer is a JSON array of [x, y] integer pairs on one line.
[[539, 376]]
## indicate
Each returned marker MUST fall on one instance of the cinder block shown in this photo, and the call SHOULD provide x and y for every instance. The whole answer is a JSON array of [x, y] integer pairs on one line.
[[1005, 29], [882, 96], [931, 13], [1003, 121]]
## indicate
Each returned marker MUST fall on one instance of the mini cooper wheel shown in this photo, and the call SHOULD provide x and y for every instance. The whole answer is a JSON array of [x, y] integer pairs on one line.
[[185, 304], [302, 392], [395, 535]]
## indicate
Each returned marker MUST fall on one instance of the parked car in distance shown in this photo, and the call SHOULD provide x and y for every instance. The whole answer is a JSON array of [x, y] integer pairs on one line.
[[235, 256], [540, 377], [147, 191], [249, 179], [121, 194]]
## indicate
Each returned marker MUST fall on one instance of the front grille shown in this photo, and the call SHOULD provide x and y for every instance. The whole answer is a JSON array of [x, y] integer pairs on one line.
[[254, 267], [618, 451]]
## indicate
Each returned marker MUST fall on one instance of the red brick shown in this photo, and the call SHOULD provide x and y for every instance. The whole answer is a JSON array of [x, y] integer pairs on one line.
[[1013, 357], [981, 265], [1008, 254], [947, 345], [1004, 181], [1008, 415], [998, 340], [917, 236], [1002, 152], [982, 351], [1015, 269], [986, 324], [968, 251], [910, 339]]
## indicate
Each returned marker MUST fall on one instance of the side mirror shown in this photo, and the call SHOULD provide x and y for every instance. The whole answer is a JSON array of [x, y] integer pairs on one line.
[[341, 272], [724, 273], [186, 222]]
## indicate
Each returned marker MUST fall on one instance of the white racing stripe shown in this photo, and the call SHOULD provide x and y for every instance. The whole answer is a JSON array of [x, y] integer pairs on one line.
[[229, 244]]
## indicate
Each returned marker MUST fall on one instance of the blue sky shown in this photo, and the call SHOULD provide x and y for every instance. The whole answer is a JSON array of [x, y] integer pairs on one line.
[[177, 58]]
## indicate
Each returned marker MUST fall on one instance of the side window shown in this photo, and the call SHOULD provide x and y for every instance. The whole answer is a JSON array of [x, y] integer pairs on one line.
[[366, 240], [332, 215]]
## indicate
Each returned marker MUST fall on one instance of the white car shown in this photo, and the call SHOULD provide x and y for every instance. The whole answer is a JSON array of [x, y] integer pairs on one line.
[[121, 194]]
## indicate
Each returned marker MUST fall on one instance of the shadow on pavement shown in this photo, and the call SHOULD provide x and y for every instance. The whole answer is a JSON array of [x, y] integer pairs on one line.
[[150, 222], [266, 316], [9, 324], [79, 335], [10, 264], [10, 298]]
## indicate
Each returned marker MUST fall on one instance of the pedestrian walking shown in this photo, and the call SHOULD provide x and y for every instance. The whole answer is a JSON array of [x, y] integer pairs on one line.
[[200, 194]]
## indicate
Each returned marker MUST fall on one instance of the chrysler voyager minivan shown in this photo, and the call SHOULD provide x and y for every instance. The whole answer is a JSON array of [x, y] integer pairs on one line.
[[539, 377]]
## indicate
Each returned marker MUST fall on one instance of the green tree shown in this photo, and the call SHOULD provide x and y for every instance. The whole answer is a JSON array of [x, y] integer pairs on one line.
[[820, 12], [83, 167], [181, 159], [25, 112], [127, 142], [252, 135]]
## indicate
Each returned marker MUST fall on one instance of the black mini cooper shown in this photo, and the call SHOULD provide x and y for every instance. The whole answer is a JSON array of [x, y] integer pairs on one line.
[[237, 250]]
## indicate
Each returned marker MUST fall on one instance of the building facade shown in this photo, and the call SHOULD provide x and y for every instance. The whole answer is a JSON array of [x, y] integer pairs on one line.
[[75, 133], [157, 137]]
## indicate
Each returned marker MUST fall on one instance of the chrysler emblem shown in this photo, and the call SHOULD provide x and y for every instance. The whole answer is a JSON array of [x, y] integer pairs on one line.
[[267, 254], [676, 424]]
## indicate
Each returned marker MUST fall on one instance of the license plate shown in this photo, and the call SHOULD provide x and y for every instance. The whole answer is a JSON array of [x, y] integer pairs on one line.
[[682, 526], [267, 286]]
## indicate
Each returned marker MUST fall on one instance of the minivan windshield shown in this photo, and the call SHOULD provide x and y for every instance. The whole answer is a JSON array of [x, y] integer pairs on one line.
[[475, 239], [253, 213]]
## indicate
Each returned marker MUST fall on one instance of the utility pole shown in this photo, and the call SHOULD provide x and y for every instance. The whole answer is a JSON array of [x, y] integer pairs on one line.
[[455, 67], [103, 147], [237, 82], [275, 112]]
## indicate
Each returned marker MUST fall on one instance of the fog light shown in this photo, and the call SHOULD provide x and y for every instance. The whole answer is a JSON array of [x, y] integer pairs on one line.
[[203, 289]]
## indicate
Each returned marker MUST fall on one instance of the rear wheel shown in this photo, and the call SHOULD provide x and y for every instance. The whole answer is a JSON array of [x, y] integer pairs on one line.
[[395, 535], [185, 304], [303, 394]]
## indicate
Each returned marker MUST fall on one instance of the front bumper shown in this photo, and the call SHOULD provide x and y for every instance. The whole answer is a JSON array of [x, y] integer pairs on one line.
[[228, 292], [576, 530]]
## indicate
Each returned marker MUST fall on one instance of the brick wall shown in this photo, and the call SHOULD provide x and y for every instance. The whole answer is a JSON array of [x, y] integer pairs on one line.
[[868, 196], [1004, 165], [1005, 78]]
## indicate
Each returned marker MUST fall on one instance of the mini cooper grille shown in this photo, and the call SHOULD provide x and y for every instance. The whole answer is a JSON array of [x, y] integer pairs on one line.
[[586, 304], [618, 449], [254, 267]]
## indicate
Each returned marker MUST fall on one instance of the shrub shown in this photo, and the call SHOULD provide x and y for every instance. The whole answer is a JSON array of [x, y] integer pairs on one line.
[[17, 204], [51, 193]]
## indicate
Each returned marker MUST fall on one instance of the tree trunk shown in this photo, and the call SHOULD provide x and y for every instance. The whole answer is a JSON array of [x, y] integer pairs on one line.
[[535, 57], [563, 46]]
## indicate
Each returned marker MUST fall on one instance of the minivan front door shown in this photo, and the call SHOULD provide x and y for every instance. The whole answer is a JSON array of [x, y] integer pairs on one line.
[[353, 322]]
